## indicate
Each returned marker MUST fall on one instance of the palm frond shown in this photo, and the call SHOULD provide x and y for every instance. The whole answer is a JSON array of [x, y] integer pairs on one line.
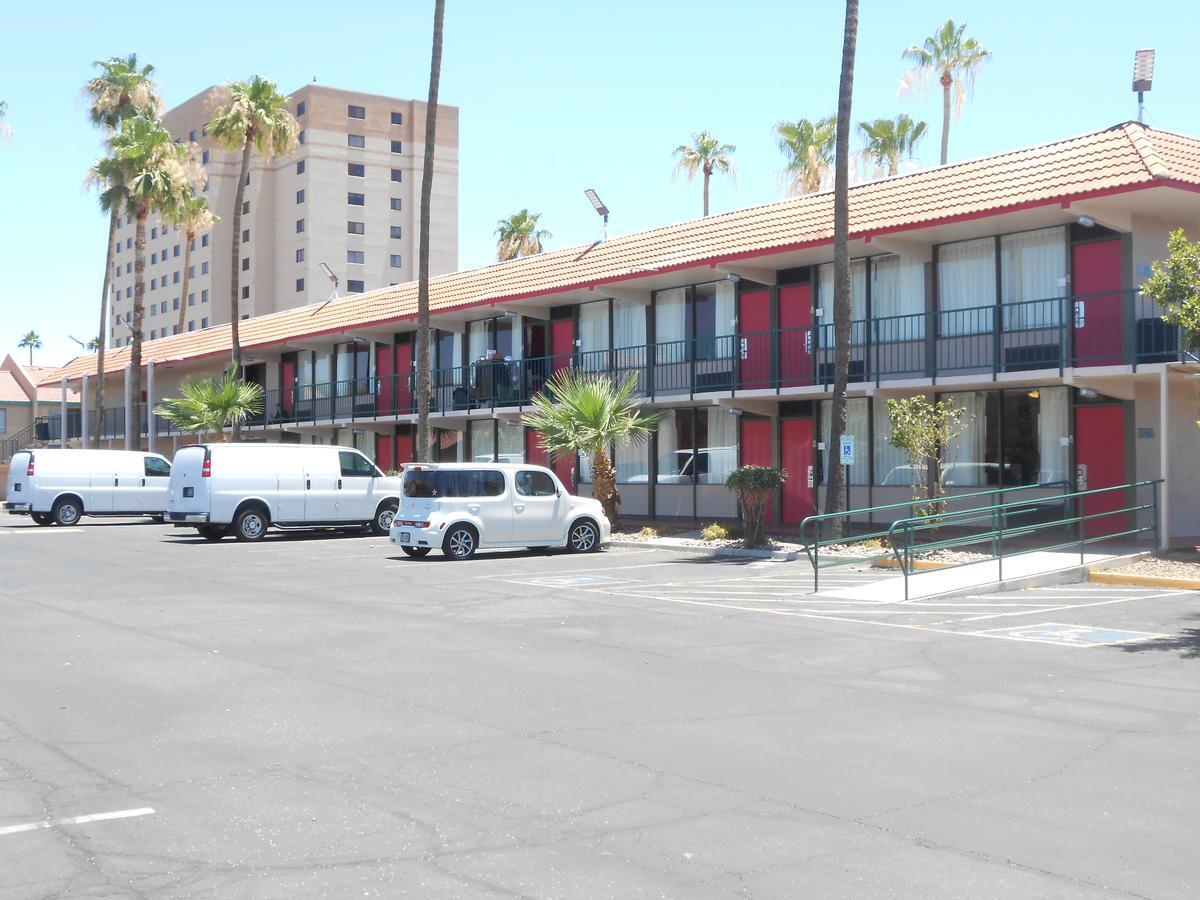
[[206, 406]]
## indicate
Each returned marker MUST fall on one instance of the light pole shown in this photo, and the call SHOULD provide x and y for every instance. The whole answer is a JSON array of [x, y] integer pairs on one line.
[[1143, 75], [601, 209]]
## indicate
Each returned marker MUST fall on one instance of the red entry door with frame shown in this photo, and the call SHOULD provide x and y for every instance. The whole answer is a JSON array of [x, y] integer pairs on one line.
[[287, 388], [795, 335], [537, 456], [385, 452], [756, 450], [1097, 304], [385, 369], [754, 327], [1100, 463], [404, 372], [562, 343], [796, 458]]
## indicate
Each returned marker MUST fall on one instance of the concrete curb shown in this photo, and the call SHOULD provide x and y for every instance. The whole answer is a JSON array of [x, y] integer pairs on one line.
[[713, 552], [1187, 584], [921, 565]]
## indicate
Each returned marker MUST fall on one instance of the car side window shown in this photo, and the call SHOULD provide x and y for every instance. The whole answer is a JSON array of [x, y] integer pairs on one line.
[[355, 465], [535, 484], [157, 468]]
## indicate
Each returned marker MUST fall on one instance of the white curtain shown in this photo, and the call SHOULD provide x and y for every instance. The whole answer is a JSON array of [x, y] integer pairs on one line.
[[481, 440], [726, 310], [1052, 428], [633, 463], [629, 324], [1033, 272], [856, 424], [967, 280], [593, 334], [964, 458], [891, 463], [668, 443], [477, 340], [512, 441], [898, 289], [858, 289], [670, 311], [722, 447]]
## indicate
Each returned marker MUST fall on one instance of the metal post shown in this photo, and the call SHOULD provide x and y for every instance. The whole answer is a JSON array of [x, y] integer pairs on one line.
[[1163, 536], [84, 431], [150, 429], [62, 416], [129, 419]]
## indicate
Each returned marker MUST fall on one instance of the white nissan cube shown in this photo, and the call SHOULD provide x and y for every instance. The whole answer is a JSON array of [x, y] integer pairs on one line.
[[462, 507]]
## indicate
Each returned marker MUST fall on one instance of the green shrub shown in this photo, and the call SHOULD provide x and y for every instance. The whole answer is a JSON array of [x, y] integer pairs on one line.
[[649, 532], [754, 486], [714, 532]]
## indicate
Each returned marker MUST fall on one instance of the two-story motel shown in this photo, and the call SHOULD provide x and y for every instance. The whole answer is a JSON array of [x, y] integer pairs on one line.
[[1008, 283]]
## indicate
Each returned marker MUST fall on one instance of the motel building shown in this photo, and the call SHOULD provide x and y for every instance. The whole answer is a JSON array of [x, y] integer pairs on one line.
[[1008, 284]]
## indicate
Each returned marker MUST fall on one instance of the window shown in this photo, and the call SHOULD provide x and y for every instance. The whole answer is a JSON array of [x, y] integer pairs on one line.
[[858, 302], [300, 137], [245, 264], [299, 285], [397, 147], [162, 307], [205, 186], [696, 446], [204, 268], [157, 468], [396, 232], [153, 284], [175, 278], [153, 233], [128, 243], [3, 421], [356, 140], [966, 279], [153, 258], [356, 199], [301, 108], [175, 250], [856, 424], [192, 135], [128, 293], [300, 255], [397, 118], [192, 299], [397, 175], [299, 226], [204, 296], [354, 256], [246, 236], [897, 298], [175, 303], [454, 483], [245, 292], [395, 204], [358, 170], [153, 334], [174, 329], [204, 240], [191, 326], [354, 286], [535, 484], [204, 158], [300, 196], [355, 465], [1033, 277], [355, 228], [396, 261], [246, 203], [128, 268], [356, 112], [191, 271], [300, 167], [204, 323]]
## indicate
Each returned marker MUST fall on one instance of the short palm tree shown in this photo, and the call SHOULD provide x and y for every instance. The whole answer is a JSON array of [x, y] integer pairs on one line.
[[956, 60], [588, 412], [206, 406], [195, 218], [808, 149], [705, 155], [122, 89], [255, 118], [891, 140], [32, 341], [519, 235]]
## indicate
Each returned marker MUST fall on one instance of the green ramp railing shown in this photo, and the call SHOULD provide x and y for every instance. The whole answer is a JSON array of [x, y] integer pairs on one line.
[[1012, 521]]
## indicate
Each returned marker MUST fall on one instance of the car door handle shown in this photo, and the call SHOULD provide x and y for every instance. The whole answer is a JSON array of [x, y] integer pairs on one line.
[[339, 484], [143, 482], [519, 507], [308, 484], [116, 482]]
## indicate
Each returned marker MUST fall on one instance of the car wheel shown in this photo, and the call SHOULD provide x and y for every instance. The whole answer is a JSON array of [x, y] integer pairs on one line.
[[416, 552], [460, 542], [42, 518], [584, 537], [211, 532], [250, 525], [382, 523], [67, 512], [158, 519]]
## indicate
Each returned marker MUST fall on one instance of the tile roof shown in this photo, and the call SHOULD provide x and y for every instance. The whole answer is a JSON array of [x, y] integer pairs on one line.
[[10, 389], [1124, 157], [50, 392]]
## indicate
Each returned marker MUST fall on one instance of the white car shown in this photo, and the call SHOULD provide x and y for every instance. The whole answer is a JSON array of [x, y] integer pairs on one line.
[[59, 487], [461, 507], [243, 489]]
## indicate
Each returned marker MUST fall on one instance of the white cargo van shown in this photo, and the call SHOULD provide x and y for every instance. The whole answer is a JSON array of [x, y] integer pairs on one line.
[[242, 489], [460, 507], [58, 487]]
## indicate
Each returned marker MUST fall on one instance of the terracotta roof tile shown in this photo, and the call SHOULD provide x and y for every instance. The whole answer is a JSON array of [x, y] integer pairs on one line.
[[10, 389], [1123, 157]]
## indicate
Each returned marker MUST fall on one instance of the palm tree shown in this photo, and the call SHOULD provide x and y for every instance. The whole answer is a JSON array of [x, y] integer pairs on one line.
[[32, 341], [808, 148], [256, 117], [956, 60], [520, 236], [587, 412], [93, 345], [195, 218], [5, 130], [207, 407], [835, 493], [706, 155], [890, 140], [423, 374], [122, 89]]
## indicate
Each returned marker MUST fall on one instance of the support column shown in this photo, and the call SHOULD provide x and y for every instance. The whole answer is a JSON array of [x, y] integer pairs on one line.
[[83, 411], [131, 424], [1164, 456], [150, 429], [62, 414]]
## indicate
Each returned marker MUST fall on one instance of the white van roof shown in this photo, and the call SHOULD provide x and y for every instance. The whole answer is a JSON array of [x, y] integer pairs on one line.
[[416, 466]]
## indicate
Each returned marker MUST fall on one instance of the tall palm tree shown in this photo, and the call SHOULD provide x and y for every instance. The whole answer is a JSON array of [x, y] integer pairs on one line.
[[122, 89], [154, 174], [956, 61], [835, 493], [205, 406], [588, 412], [808, 148], [195, 218], [423, 374], [519, 235], [32, 341], [5, 130], [705, 155], [891, 140], [255, 118]]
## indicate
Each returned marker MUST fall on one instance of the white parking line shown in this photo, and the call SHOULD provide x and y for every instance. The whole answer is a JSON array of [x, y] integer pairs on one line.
[[1074, 606], [42, 531], [78, 820]]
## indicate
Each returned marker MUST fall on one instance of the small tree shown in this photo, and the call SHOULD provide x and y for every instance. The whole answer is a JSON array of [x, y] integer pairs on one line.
[[754, 486], [206, 406], [925, 430], [1174, 284]]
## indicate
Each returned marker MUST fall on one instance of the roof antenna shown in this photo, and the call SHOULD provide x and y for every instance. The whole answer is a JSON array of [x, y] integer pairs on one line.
[[1143, 75]]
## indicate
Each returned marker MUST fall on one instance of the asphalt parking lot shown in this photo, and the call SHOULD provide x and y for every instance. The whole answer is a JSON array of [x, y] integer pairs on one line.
[[323, 717]]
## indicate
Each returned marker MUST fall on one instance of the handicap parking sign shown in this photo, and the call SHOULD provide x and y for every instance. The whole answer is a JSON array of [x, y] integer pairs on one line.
[[847, 450]]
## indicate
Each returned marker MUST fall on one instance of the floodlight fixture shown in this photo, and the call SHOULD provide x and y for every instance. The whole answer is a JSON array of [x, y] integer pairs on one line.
[[601, 209], [1143, 76], [329, 274]]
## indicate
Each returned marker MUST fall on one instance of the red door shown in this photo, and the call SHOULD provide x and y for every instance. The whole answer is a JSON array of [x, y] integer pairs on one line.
[[796, 457], [1097, 302], [534, 454], [287, 385], [1100, 463], [754, 324], [795, 335], [562, 343], [404, 369], [385, 452], [756, 449], [404, 447], [385, 370]]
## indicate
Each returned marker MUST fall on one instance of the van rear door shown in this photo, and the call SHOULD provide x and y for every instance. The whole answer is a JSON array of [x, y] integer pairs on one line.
[[19, 493], [188, 489]]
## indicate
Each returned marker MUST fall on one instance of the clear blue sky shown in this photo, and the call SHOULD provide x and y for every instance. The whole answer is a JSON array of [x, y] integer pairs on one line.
[[555, 96]]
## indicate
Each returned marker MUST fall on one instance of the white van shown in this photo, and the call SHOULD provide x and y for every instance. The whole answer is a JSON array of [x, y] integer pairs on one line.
[[242, 489], [58, 487], [460, 507]]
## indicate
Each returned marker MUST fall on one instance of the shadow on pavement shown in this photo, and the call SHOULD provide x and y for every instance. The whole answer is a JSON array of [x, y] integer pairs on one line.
[[1186, 643]]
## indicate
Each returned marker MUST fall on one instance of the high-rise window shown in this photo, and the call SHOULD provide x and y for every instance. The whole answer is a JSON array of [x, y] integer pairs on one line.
[[397, 175], [153, 283], [356, 112], [153, 233], [246, 236], [191, 299], [128, 268], [396, 263], [355, 228], [175, 303], [299, 226], [299, 196], [300, 255], [204, 157], [245, 207], [191, 271], [128, 292], [192, 325], [192, 135], [301, 108], [395, 204], [175, 250], [175, 278], [153, 258], [301, 137], [299, 285], [396, 231], [246, 292], [204, 240], [204, 296], [300, 167], [397, 118], [354, 286], [204, 268], [397, 146], [245, 264], [358, 170], [356, 199], [204, 323], [356, 140], [355, 256]]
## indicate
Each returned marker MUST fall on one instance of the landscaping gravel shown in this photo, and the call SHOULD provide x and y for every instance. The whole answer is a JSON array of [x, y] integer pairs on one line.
[[1170, 566]]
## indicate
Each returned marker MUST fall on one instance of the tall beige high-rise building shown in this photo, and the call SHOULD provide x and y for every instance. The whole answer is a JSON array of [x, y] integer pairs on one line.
[[348, 197]]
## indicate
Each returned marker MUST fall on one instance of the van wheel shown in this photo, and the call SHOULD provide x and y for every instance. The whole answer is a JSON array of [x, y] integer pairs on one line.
[[250, 524], [42, 518], [584, 537], [67, 511], [460, 542], [416, 552], [211, 532], [382, 523]]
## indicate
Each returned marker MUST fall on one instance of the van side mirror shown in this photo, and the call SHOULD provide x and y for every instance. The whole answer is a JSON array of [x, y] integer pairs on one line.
[[558, 492]]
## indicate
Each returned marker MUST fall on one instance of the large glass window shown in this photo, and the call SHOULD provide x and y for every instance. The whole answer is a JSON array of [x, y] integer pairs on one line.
[[478, 338], [972, 459], [858, 287], [1033, 277], [510, 441], [670, 325], [898, 298], [717, 457], [593, 334], [856, 424], [891, 463], [633, 463], [713, 319], [967, 286], [482, 433]]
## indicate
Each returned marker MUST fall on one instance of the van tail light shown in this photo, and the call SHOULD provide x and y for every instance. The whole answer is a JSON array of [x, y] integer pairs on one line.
[[29, 471], [206, 469]]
